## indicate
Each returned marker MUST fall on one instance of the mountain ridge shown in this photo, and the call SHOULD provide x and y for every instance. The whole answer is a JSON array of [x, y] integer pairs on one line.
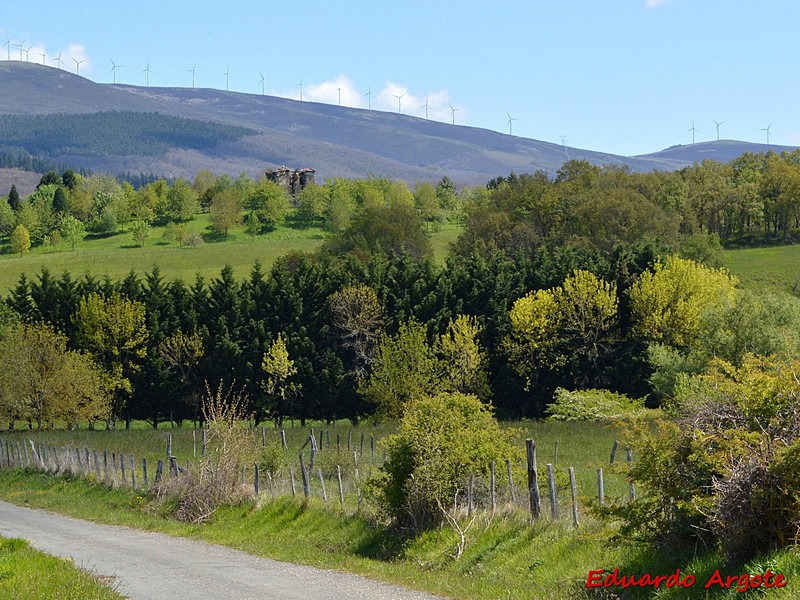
[[334, 140]]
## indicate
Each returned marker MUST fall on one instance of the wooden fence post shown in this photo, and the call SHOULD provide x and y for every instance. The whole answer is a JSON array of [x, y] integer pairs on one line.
[[629, 459], [159, 471], [169, 444], [372, 445], [133, 471], [122, 468], [105, 467], [324, 492], [470, 494], [533, 481], [269, 481], [573, 486], [294, 487], [601, 493], [492, 482], [255, 477], [551, 483], [614, 451], [341, 490], [283, 439], [304, 475], [511, 482], [144, 470], [96, 466]]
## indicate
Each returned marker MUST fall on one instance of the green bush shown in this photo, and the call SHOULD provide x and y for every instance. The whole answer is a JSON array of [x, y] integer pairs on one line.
[[441, 441], [591, 405], [725, 470]]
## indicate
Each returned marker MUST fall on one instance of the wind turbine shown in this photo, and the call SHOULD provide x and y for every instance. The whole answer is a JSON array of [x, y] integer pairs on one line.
[[20, 48], [192, 71], [57, 60], [147, 70], [693, 130], [369, 98], [8, 47], [78, 65], [718, 124], [227, 77], [301, 90], [340, 95], [767, 130], [114, 68], [42, 54], [262, 82], [27, 58], [426, 107], [510, 122], [453, 113], [564, 145], [399, 98]]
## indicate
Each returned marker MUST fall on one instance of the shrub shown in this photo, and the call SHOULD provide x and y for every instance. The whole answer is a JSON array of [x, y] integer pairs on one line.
[[725, 469], [195, 496], [441, 441], [592, 405]]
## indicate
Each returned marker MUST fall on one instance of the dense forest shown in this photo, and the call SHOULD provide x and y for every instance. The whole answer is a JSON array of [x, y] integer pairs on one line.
[[110, 133], [572, 282]]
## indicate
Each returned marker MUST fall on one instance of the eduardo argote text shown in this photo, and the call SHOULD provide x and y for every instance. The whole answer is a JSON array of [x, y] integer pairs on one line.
[[600, 578]]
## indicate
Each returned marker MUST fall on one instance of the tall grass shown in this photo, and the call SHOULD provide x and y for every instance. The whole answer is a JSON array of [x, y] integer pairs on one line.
[[28, 574]]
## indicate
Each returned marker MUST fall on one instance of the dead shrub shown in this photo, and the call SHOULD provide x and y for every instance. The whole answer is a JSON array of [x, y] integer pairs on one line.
[[214, 481]]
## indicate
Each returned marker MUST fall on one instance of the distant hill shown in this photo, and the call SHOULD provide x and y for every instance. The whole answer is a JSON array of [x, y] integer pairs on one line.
[[334, 140], [721, 151]]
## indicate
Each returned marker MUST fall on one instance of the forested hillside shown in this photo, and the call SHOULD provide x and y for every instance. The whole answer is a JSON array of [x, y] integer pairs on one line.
[[120, 133]]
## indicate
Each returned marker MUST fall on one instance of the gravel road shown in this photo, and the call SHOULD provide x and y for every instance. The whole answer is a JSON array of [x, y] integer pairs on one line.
[[154, 566]]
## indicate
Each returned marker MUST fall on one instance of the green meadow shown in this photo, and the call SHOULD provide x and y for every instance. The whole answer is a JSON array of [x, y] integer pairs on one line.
[[772, 267], [117, 255]]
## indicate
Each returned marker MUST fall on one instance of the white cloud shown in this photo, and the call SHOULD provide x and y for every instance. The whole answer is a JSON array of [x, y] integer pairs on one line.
[[438, 102], [72, 55]]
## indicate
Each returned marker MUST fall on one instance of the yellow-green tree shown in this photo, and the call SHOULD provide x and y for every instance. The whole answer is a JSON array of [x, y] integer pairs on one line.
[[589, 308], [404, 367], [42, 381], [279, 370], [463, 361], [669, 303], [533, 342], [114, 331], [20, 239]]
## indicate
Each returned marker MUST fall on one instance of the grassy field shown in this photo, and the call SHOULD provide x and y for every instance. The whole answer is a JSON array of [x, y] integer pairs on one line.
[[118, 254], [506, 556], [28, 574], [774, 267]]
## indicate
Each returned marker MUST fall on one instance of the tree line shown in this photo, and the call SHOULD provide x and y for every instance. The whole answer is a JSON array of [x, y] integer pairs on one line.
[[553, 283]]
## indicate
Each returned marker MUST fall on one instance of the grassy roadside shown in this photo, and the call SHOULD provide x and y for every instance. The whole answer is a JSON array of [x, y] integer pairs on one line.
[[505, 557], [33, 575]]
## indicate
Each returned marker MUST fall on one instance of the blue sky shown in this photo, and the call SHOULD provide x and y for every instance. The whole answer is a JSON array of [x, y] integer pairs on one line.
[[620, 76]]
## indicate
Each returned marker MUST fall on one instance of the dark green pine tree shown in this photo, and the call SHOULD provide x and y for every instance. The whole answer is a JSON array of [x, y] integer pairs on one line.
[[13, 198], [20, 299], [60, 201]]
